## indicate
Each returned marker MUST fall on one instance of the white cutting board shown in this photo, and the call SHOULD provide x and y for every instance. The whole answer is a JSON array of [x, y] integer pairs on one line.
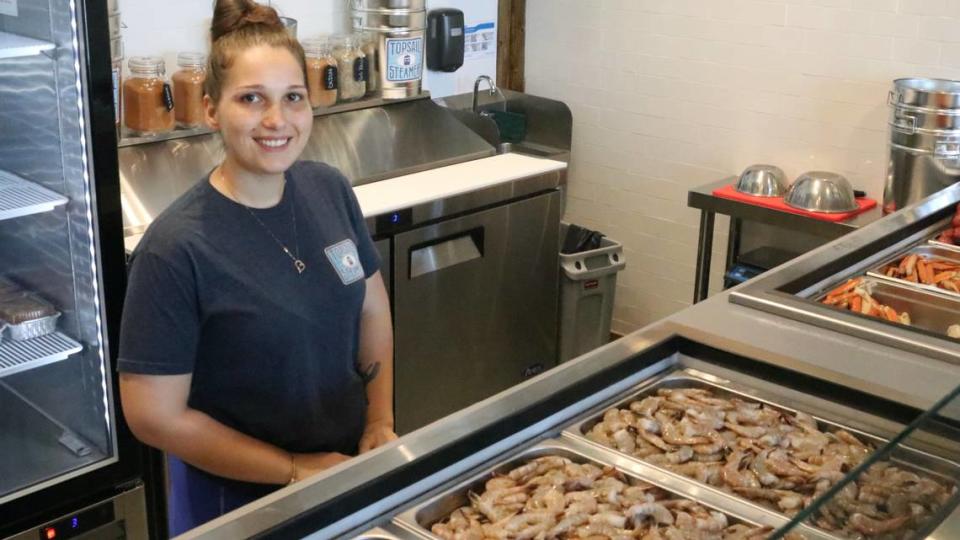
[[405, 191]]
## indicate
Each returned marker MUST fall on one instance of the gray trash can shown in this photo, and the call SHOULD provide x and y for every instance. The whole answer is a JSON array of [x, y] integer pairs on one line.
[[588, 284]]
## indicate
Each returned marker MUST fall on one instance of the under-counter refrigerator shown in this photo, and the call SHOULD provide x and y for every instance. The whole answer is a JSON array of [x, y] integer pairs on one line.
[[69, 467]]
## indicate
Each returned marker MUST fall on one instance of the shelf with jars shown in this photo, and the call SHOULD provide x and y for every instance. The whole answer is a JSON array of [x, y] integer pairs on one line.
[[343, 74], [128, 138]]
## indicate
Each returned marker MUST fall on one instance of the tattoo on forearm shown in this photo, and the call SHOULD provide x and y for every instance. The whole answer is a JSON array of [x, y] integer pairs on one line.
[[369, 373]]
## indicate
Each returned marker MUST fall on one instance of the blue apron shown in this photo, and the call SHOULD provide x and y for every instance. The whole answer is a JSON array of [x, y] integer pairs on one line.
[[196, 497]]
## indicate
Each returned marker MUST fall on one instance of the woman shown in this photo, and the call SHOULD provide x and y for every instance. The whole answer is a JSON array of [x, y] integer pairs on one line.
[[256, 344]]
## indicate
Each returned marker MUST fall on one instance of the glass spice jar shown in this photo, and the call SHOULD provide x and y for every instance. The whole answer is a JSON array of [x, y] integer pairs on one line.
[[352, 69], [147, 98], [371, 48], [188, 89], [322, 72]]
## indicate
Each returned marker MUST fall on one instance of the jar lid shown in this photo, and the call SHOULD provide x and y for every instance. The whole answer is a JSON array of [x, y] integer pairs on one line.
[[146, 63], [317, 47], [192, 59], [347, 40]]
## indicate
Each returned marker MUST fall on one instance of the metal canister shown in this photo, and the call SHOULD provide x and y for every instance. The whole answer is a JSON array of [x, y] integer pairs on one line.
[[399, 27], [924, 140]]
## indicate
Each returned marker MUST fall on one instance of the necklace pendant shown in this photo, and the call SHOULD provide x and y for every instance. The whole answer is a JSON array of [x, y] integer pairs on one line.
[[298, 264]]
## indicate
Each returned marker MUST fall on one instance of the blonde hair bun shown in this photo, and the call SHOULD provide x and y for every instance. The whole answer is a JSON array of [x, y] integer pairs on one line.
[[239, 25], [232, 15]]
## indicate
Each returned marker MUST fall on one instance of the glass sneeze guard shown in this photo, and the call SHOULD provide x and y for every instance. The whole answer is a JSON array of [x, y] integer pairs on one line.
[[908, 489]]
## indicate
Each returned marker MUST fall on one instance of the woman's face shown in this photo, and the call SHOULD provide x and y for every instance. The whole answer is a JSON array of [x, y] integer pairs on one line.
[[263, 115]]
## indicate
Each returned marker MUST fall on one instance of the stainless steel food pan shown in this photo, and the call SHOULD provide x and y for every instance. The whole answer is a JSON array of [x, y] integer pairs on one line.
[[421, 517], [936, 253], [32, 329], [930, 310], [387, 533], [932, 240], [912, 459], [686, 380]]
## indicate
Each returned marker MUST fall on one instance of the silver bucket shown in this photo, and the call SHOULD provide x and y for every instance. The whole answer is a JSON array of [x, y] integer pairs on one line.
[[924, 140], [401, 49]]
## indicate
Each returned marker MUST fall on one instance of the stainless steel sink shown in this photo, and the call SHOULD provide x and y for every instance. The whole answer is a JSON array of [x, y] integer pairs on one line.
[[531, 149], [549, 123]]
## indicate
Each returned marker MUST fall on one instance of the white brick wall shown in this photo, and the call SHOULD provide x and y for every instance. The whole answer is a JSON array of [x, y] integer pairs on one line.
[[671, 94]]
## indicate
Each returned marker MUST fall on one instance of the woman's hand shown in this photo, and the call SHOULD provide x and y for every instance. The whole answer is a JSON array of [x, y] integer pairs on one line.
[[310, 464], [375, 435]]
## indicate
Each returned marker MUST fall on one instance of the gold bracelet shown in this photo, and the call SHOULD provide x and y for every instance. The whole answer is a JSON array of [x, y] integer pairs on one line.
[[293, 469]]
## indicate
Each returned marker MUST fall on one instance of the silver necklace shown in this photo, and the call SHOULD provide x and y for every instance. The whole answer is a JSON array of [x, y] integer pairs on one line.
[[295, 255]]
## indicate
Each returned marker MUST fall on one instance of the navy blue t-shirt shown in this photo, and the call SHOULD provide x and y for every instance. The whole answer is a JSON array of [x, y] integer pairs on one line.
[[273, 353]]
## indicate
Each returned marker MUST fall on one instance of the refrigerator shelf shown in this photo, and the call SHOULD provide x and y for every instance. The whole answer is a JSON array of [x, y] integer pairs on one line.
[[19, 197], [17, 356], [14, 46]]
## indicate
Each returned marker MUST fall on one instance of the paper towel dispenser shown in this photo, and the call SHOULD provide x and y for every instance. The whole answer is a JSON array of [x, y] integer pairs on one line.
[[445, 39]]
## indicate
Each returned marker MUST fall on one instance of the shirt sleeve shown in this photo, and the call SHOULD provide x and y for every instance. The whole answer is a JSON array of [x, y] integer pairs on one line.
[[160, 325]]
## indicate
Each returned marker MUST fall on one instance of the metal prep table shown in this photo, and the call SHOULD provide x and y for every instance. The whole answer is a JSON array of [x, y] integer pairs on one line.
[[816, 368], [770, 226]]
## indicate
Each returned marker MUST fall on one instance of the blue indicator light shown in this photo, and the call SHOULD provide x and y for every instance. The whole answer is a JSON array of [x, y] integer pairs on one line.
[[75, 523], [395, 217]]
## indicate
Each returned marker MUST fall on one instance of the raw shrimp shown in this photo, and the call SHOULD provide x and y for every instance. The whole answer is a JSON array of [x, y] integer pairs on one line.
[[673, 435], [624, 441], [647, 406], [655, 511], [498, 504], [716, 444], [750, 432], [874, 527], [733, 476]]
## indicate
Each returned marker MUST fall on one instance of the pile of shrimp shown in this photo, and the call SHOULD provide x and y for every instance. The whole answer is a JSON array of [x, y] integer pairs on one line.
[[553, 497], [781, 461]]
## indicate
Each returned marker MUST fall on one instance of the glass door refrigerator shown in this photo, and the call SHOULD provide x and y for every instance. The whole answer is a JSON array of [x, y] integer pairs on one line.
[[69, 467]]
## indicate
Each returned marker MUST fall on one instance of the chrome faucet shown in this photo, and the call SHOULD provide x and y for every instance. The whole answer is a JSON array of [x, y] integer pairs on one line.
[[476, 91]]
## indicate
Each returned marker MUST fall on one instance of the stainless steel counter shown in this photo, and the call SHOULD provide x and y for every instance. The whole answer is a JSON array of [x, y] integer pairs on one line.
[[903, 376], [438, 455]]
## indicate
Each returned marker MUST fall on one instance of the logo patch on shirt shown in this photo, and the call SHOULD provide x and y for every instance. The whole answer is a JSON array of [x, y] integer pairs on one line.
[[343, 256]]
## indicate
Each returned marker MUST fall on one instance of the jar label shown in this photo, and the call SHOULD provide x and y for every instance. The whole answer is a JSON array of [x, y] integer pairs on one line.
[[330, 78], [167, 96], [404, 59], [361, 67]]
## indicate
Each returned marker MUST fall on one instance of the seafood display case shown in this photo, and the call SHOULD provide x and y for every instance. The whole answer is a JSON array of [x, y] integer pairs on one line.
[[896, 282], [531, 460]]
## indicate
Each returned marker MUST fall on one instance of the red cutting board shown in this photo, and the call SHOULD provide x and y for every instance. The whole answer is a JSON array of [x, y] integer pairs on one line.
[[776, 203]]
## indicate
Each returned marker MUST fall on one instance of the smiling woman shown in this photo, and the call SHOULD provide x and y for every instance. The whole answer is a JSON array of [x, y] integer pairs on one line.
[[256, 343], [264, 117]]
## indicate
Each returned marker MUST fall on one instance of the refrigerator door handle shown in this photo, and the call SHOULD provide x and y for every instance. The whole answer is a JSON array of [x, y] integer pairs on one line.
[[446, 252]]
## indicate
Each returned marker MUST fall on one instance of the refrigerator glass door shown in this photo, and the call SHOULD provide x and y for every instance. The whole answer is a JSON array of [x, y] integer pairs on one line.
[[56, 407]]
